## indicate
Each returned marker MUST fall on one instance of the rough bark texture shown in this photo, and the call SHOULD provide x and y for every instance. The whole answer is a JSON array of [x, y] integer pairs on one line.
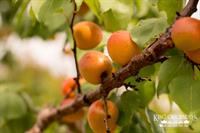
[[149, 56]]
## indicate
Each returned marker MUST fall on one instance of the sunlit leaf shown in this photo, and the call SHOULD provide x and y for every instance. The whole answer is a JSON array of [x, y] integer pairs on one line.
[[78, 3], [170, 7], [148, 29], [52, 13], [185, 91], [170, 69]]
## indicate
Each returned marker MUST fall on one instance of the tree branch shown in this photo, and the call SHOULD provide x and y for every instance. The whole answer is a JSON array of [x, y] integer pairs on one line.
[[149, 56], [75, 48]]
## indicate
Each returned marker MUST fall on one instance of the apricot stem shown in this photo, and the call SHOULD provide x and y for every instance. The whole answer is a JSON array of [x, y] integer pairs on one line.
[[107, 115], [75, 47]]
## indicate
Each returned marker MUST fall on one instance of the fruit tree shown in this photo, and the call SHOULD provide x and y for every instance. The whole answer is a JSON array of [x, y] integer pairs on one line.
[[136, 62]]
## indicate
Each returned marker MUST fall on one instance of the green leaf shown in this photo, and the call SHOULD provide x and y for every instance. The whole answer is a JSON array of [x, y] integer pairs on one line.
[[132, 128], [11, 87], [129, 102], [146, 92], [141, 8], [78, 4], [11, 106], [114, 14], [110, 21], [53, 13], [5, 128], [170, 69], [136, 125], [170, 7], [147, 71], [148, 29], [197, 73], [19, 125], [95, 8], [154, 122], [35, 6], [185, 91]]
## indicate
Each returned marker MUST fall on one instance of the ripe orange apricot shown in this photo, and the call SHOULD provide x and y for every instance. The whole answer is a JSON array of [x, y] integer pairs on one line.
[[68, 86], [93, 65], [83, 9], [87, 35], [186, 34], [76, 116], [194, 56], [121, 47], [96, 116]]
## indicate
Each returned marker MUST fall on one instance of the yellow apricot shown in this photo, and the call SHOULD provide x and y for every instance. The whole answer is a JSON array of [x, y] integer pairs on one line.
[[96, 116], [68, 87], [186, 34], [194, 56], [121, 47], [93, 65], [87, 35]]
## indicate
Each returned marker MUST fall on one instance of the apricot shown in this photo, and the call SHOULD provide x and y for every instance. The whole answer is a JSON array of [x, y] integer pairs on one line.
[[94, 66], [83, 9], [96, 116], [121, 47], [76, 116], [68, 87], [194, 56], [87, 35], [186, 34]]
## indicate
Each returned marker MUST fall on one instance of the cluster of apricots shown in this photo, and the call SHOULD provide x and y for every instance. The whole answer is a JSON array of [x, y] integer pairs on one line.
[[96, 111], [186, 37], [94, 66]]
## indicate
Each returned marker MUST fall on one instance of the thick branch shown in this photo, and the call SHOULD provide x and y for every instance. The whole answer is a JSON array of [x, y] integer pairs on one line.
[[149, 56]]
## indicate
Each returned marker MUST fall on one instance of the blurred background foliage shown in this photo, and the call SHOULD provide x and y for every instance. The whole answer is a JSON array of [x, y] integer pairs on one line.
[[25, 89]]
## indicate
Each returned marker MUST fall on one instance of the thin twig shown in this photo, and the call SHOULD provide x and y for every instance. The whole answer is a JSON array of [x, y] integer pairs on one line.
[[107, 117], [75, 48]]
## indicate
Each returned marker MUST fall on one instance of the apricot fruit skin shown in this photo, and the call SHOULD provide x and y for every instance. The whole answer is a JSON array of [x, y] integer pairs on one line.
[[68, 87], [87, 35], [96, 116], [93, 65], [186, 34], [194, 56], [76, 116], [121, 47]]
